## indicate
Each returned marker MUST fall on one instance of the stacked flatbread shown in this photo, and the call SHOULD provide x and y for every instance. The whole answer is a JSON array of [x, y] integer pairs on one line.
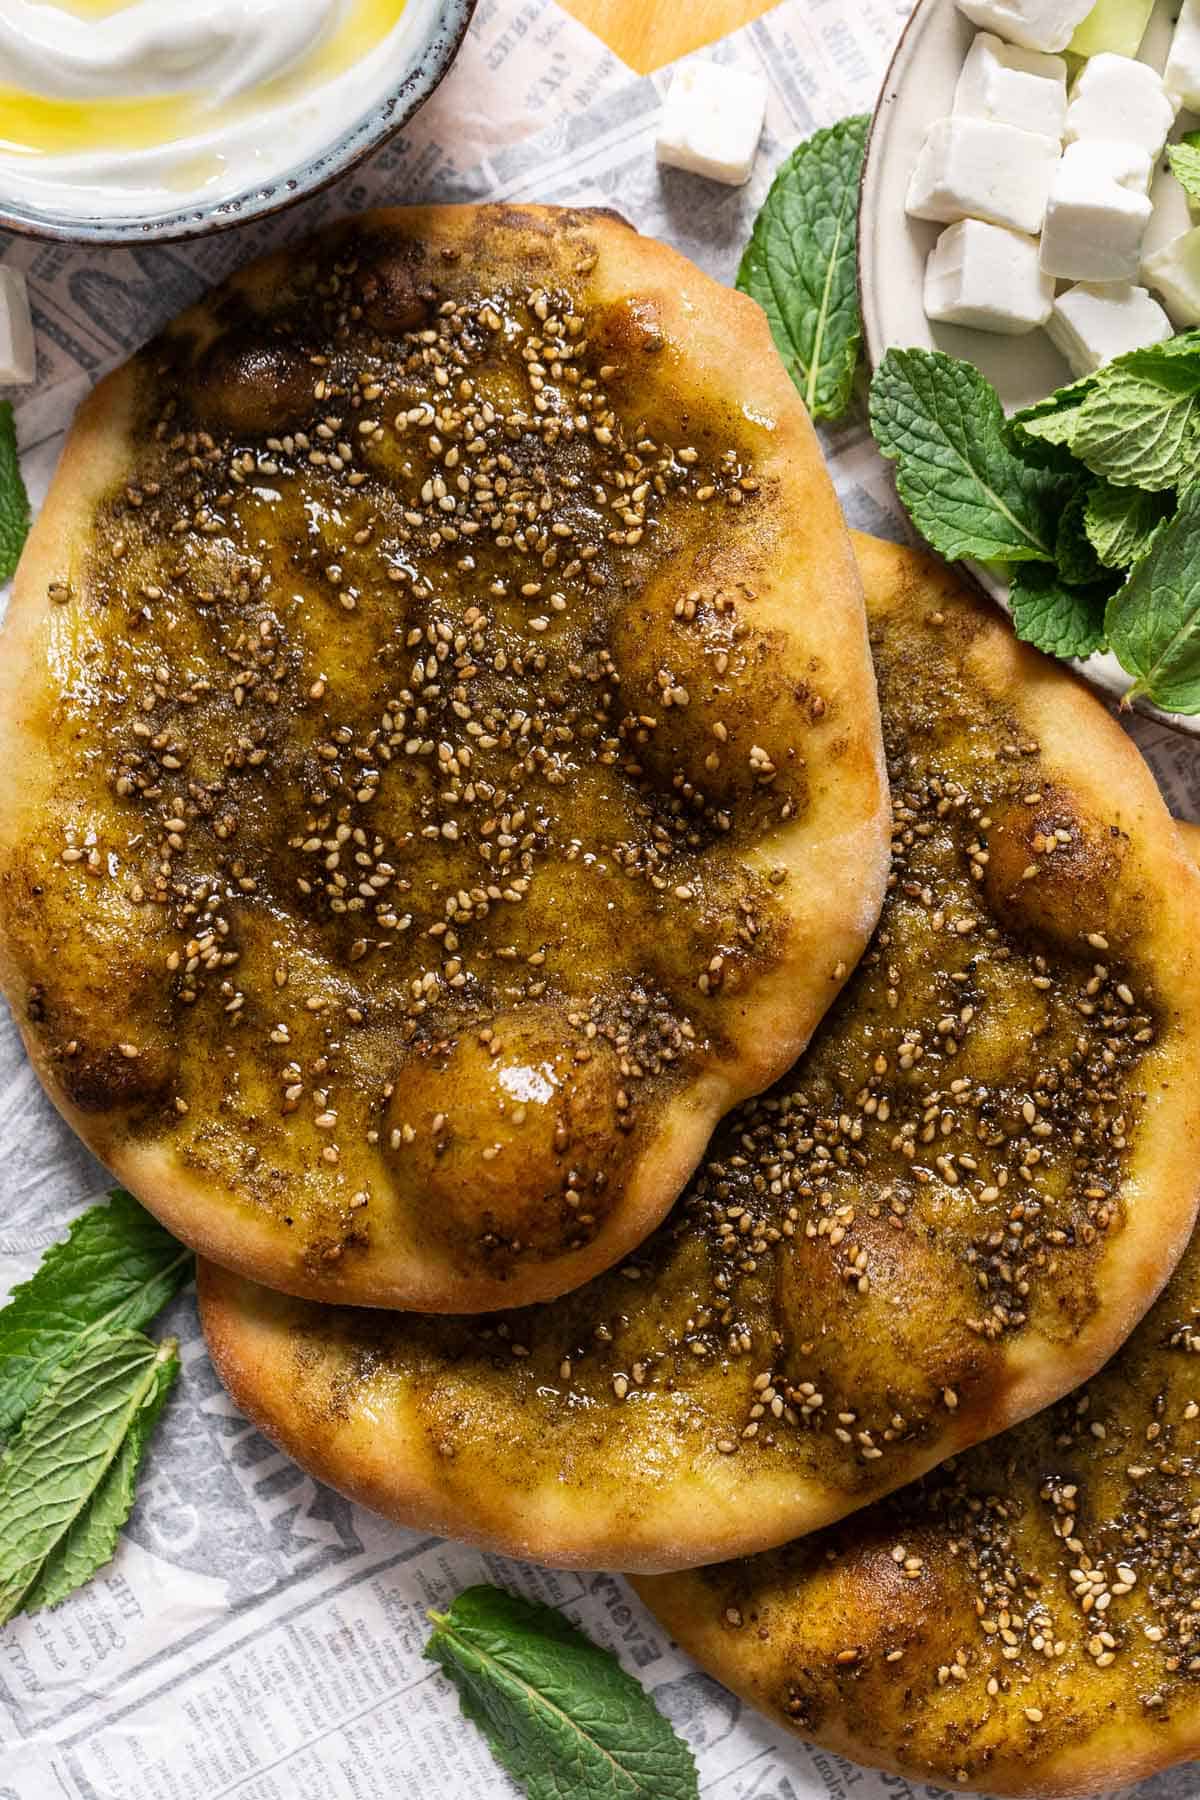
[[951, 1211], [458, 797]]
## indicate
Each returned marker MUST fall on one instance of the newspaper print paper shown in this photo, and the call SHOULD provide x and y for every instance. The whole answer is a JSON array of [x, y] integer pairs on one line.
[[258, 1636]]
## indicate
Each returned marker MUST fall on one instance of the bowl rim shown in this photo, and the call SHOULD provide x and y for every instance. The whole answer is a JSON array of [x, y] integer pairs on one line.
[[872, 350], [368, 133], [1183, 724]]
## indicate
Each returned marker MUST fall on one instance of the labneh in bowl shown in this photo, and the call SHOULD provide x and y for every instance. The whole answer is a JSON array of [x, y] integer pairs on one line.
[[427, 39]]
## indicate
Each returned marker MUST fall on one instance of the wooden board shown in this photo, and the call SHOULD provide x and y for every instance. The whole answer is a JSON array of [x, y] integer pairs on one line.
[[648, 33]]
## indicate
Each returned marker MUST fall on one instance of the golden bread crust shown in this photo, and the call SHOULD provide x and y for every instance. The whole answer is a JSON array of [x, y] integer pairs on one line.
[[451, 762], [950, 1212]]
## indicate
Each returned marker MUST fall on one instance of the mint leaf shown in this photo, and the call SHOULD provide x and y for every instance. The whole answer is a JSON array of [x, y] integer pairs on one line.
[[1121, 522], [1185, 164], [1074, 552], [941, 423], [800, 265], [14, 501], [1065, 621], [59, 1510], [92, 1539], [1157, 374], [1140, 425], [117, 1267], [1050, 422], [560, 1714], [1153, 622]]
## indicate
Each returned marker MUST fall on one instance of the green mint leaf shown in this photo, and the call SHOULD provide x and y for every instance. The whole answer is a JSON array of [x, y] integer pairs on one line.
[[116, 1268], [1153, 622], [1140, 424], [92, 1539], [1185, 165], [1121, 522], [559, 1714], [59, 1512], [14, 501], [1065, 621], [1047, 425], [800, 265], [1074, 552], [941, 423]]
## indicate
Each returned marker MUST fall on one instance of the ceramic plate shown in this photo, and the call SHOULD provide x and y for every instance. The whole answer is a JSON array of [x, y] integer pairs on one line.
[[919, 88]]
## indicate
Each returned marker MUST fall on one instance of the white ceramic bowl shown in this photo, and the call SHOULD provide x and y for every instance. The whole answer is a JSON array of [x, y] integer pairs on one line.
[[919, 88], [433, 31]]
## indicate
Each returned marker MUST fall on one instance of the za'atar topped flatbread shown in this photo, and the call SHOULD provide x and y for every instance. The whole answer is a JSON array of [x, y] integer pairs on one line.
[[449, 760]]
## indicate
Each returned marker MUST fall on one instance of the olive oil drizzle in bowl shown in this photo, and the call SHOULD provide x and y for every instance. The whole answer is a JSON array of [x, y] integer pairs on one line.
[[49, 125], [154, 166]]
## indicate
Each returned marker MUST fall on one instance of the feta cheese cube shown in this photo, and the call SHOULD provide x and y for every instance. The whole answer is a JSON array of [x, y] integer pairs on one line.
[[18, 357], [1174, 272], [1122, 101], [712, 121], [1034, 24], [1182, 75], [1118, 25], [989, 278], [1091, 325], [1171, 213], [1013, 87], [972, 168], [1097, 213]]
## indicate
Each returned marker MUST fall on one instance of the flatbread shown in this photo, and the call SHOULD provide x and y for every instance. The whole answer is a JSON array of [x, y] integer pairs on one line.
[[953, 1210], [1025, 1620], [450, 771]]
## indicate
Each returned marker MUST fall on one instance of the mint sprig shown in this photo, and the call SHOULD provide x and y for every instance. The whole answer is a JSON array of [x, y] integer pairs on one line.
[[116, 1268], [559, 1714], [1075, 494], [800, 265], [968, 491], [14, 501]]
